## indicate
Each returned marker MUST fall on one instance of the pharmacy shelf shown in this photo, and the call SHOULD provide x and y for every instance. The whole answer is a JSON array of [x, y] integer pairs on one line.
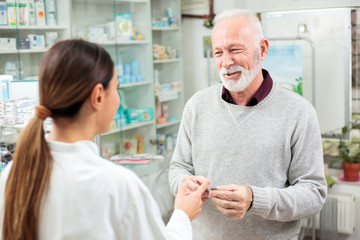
[[25, 80], [168, 96], [171, 91], [5, 51], [111, 1], [167, 61], [129, 127], [135, 1], [134, 84], [130, 42], [33, 50], [17, 126], [165, 28], [23, 51], [33, 27], [168, 124]]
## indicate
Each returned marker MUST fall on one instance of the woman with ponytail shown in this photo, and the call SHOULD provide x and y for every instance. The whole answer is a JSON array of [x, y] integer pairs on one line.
[[59, 187]]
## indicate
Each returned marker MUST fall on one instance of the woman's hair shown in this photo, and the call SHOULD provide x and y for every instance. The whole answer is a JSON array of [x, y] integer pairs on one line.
[[252, 18], [68, 73]]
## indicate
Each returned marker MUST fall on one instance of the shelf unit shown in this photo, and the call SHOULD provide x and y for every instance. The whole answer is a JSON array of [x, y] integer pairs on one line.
[[28, 60], [129, 85], [168, 124], [23, 65], [355, 41], [165, 28], [128, 127], [136, 95], [167, 61], [105, 43], [75, 19], [168, 71]]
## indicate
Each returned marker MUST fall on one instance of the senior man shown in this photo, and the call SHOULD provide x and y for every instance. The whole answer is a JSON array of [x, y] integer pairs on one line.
[[257, 142]]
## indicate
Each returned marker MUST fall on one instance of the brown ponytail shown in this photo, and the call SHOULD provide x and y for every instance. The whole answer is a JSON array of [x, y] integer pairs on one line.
[[68, 73], [27, 181]]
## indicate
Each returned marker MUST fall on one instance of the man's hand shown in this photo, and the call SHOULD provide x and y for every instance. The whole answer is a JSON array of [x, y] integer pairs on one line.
[[192, 184], [232, 200]]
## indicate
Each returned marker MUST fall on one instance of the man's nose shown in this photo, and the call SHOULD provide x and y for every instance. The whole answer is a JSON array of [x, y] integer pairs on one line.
[[227, 60]]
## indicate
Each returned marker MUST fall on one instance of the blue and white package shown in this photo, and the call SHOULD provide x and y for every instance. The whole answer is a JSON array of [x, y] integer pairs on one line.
[[4, 81], [139, 78], [127, 70], [135, 70], [3, 14]]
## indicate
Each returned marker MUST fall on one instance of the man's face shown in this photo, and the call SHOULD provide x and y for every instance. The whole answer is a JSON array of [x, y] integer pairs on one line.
[[235, 54]]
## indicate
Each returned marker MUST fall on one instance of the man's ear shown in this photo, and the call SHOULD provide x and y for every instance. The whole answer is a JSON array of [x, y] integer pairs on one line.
[[264, 48], [97, 96]]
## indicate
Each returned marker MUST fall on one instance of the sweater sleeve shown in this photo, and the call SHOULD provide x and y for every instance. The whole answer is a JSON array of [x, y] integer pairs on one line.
[[181, 164], [307, 188]]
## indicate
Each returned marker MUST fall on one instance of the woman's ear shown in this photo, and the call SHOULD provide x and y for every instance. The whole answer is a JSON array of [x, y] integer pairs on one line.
[[97, 96], [264, 48]]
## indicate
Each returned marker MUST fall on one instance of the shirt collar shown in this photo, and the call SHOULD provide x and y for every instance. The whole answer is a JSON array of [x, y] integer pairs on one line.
[[260, 94]]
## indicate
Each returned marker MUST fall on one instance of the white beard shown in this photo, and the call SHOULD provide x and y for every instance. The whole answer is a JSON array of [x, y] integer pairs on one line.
[[246, 77]]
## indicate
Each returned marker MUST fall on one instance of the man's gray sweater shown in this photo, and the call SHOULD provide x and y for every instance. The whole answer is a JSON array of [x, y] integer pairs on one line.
[[274, 147]]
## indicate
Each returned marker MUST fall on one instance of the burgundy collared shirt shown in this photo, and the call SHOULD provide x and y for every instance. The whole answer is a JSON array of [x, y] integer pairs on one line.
[[261, 93]]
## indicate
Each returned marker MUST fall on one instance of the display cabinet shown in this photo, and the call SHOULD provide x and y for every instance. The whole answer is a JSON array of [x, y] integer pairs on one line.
[[27, 29], [355, 41], [144, 39], [24, 38], [168, 77], [123, 28]]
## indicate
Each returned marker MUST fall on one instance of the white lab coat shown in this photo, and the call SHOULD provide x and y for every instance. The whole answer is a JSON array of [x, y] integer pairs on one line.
[[91, 198]]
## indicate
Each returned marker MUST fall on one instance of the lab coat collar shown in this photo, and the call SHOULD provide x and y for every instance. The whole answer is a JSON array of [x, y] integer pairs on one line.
[[80, 146]]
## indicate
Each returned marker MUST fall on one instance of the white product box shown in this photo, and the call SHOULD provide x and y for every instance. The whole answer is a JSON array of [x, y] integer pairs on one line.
[[36, 41], [2, 120], [11, 112], [26, 103], [32, 13], [40, 13], [51, 38], [110, 29], [50, 6], [8, 43], [3, 14], [10, 105], [23, 12], [11, 11], [21, 89], [97, 34]]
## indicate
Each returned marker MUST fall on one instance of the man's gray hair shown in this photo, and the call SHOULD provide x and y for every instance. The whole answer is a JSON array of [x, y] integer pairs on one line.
[[234, 13]]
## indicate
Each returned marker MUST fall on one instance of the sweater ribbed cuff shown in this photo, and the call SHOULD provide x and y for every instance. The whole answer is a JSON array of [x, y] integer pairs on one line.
[[261, 201]]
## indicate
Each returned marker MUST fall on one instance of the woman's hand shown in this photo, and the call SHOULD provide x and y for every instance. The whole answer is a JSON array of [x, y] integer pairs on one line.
[[193, 183], [190, 202]]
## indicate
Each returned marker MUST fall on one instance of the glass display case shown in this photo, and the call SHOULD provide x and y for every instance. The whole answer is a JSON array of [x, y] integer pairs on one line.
[[142, 36], [168, 77], [123, 28]]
